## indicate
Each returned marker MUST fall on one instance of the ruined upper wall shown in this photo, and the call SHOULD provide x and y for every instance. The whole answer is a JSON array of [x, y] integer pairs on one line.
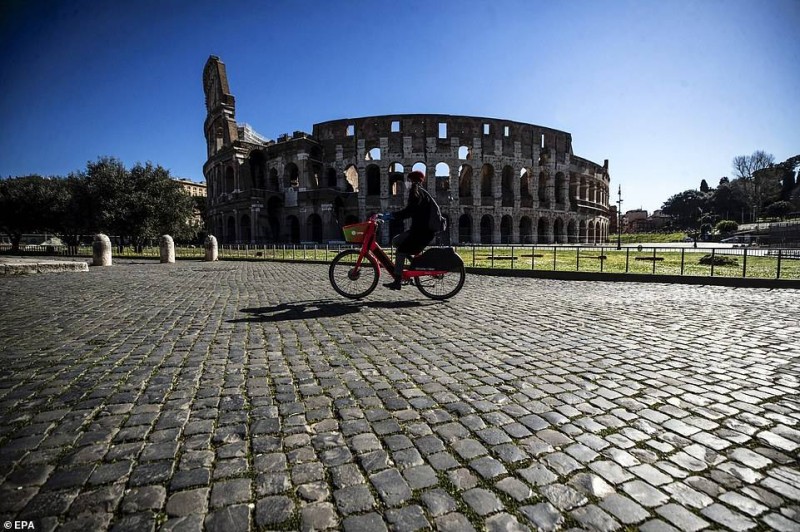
[[493, 136]]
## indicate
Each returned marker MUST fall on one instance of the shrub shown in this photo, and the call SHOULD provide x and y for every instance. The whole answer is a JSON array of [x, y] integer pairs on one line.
[[726, 226], [718, 260]]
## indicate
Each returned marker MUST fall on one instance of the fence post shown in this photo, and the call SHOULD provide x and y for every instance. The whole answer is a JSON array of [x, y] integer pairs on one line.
[[554, 259], [491, 253], [101, 250], [744, 264], [713, 250], [627, 258], [473, 255], [577, 259], [167, 249], [779, 263], [512, 257], [533, 257], [683, 255], [654, 260], [601, 259]]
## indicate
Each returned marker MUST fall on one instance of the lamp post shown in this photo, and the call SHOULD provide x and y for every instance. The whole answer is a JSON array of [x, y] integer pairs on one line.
[[699, 226], [619, 218]]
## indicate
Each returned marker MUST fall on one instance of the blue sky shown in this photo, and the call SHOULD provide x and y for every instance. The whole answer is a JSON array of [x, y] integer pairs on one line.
[[668, 91]]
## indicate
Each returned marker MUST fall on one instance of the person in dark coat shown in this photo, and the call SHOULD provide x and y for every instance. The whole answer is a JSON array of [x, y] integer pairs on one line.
[[413, 241]]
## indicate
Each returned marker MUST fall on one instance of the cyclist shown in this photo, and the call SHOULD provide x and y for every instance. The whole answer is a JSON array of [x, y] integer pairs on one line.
[[413, 241]]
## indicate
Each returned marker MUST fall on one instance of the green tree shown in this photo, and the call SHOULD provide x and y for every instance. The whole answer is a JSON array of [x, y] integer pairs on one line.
[[27, 205], [136, 205], [758, 186], [703, 186], [684, 206], [779, 209]]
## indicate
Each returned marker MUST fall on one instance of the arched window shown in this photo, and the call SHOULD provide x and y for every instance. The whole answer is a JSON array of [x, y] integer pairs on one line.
[[273, 180], [525, 230], [291, 176], [506, 224], [465, 228], [442, 177], [373, 155], [572, 232], [314, 228], [542, 187], [420, 167], [396, 187], [330, 177], [487, 180], [487, 229], [373, 180], [465, 181], [560, 183], [464, 153], [558, 231]]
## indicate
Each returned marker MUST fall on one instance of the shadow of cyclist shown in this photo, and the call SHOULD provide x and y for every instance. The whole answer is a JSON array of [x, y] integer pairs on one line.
[[305, 310]]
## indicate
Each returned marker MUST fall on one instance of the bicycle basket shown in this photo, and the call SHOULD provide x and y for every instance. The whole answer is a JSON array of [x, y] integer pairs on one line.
[[355, 233]]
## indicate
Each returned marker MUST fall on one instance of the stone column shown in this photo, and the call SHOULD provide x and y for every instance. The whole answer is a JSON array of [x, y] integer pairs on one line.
[[167, 249], [101, 250]]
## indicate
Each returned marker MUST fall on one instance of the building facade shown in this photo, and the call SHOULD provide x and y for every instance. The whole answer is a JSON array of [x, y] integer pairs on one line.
[[192, 188], [497, 181]]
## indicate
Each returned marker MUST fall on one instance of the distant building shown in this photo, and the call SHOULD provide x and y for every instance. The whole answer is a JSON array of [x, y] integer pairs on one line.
[[193, 188], [634, 221]]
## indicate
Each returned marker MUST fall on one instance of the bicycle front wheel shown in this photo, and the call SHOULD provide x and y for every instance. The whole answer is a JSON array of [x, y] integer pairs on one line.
[[349, 281], [441, 286]]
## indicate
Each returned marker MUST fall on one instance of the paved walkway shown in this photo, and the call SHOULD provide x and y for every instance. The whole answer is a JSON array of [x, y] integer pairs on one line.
[[236, 396]]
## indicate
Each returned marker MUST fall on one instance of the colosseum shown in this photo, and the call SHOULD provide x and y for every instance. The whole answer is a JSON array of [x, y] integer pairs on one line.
[[497, 181]]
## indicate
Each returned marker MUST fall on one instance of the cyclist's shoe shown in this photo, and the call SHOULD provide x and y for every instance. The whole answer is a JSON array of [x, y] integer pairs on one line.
[[394, 285]]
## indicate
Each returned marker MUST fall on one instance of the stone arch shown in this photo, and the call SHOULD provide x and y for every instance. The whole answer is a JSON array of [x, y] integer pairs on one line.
[[244, 229], [373, 180], [293, 225], [274, 216], [487, 228], [351, 178], [230, 236], [396, 183], [314, 228], [274, 183], [558, 231], [230, 182], [583, 232], [572, 232], [525, 230], [258, 169], [487, 180], [465, 228], [291, 176], [525, 188], [373, 154], [542, 226], [465, 153], [506, 229], [465, 181], [420, 167], [442, 176]]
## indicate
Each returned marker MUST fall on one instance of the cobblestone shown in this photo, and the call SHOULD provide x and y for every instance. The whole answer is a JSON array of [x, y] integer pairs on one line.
[[237, 395]]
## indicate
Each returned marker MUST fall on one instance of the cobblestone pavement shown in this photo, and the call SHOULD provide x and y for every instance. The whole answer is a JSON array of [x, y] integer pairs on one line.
[[236, 396]]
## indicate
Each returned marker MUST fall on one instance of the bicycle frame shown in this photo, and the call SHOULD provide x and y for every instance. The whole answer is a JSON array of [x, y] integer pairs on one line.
[[371, 246]]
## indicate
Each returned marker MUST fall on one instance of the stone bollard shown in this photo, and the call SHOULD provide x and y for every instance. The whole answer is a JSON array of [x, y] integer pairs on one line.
[[101, 250], [167, 246], [212, 251]]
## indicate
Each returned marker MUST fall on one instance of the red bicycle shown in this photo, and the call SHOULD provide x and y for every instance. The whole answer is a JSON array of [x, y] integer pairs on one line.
[[438, 272]]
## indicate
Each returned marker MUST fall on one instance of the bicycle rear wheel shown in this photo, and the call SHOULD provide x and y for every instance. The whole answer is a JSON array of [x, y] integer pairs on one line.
[[349, 282], [441, 286]]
